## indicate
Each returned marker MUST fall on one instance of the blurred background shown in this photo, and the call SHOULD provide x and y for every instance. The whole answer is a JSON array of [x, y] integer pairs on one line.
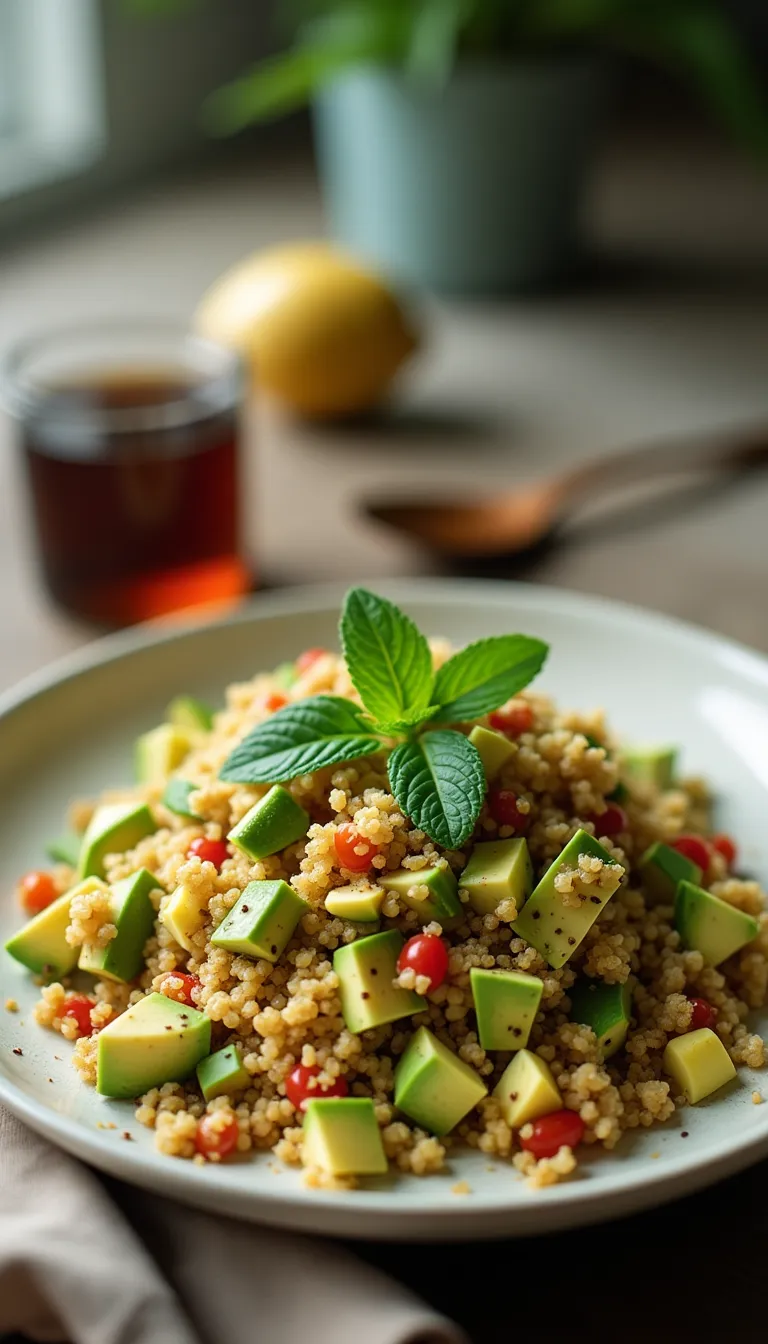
[[271, 271]]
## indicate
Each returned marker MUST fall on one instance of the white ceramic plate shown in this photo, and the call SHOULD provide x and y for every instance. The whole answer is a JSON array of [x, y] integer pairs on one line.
[[70, 732]]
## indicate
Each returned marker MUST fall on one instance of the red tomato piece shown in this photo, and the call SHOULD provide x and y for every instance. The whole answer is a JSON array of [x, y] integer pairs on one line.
[[36, 891], [180, 993], [79, 1007], [208, 851], [275, 701], [426, 954], [725, 846], [695, 848], [703, 1015], [306, 659], [347, 841], [299, 1091], [502, 804], [611, 821], [513, 720], [553, 1132], [216, 1137]]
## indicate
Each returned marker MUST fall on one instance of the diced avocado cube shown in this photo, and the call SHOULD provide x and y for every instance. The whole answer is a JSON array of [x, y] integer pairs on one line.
[[341, 1135], [223, 1073], [187, 712], [133, 915], [176, 798], [651, 765], [41, 945], [546, 922], [605, 1008], [159, 752], [261, 923], [506, 1003], [65, 849], [285, 675], [711, 926], [432, 892], [361, 904], [495, 750], [155, 1041], [661, 869], [699, 1063], [499, 870], [114, 828], [526, 1090], [366, 970], [183, 915], [433, 1086], [276, 821]]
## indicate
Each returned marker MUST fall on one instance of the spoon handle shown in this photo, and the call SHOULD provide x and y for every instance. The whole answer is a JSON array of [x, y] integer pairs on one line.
[[730, 449]]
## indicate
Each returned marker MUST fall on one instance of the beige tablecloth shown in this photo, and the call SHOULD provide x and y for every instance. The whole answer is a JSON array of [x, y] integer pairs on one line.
[[77, 1264]]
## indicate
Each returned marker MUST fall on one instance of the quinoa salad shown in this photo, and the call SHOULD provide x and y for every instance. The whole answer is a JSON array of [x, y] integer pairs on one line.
[[391, 902]]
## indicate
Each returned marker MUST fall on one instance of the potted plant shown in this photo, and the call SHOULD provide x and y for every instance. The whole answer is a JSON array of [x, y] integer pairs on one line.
[[453, 136]]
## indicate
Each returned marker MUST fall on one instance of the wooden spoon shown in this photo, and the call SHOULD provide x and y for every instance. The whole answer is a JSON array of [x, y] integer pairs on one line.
[[521, 519]]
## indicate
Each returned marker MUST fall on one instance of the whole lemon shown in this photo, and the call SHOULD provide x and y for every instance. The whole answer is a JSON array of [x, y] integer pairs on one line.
[[320, 332]]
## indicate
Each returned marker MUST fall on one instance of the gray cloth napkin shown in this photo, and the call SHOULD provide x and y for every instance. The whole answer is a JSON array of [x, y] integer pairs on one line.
[[78, 1265]]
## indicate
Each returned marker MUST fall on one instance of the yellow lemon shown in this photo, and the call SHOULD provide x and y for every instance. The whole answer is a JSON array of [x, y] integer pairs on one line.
[[319, 331]]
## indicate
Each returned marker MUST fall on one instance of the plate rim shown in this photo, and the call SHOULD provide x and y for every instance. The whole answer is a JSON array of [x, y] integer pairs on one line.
[[325, 1211]]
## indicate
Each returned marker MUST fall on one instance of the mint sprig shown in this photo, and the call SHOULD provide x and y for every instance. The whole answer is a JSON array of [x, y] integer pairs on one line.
[[387, 657], [436, 775]]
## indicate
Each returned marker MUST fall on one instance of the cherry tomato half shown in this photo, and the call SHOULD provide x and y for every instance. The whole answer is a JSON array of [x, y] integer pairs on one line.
[[553, 1132], [426, 954]]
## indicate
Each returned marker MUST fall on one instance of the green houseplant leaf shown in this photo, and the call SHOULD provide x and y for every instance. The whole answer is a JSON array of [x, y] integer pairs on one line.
[[387, 657], [301, 738], [439, 783], [481, 677]]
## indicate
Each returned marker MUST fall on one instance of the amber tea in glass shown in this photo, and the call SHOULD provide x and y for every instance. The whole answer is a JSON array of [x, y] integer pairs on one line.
[[130, 437]]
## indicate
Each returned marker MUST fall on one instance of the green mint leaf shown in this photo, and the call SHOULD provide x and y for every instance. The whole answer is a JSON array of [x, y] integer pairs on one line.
[[301, 738], [392, 727], [439, 783], [481, 677], [388, 659]]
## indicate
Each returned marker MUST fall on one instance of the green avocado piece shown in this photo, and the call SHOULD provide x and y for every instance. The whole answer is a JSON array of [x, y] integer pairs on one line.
[[366, 970], [187, 712], [547, 923], [176, 798], [662, 869], [114, 828], [41, 944], [499, 870], [222, 1073], [495, 750], [433, 1086], [699, 1063], [651, 765], [159, 752], [432, 892], [155, 1041], [526, 1090], [65, 848], [285, 675], [605, 1008], [360, 904], [262, 922], [506, 1003], [275, 821], [133, 915], [711, 926], [341, 1136]]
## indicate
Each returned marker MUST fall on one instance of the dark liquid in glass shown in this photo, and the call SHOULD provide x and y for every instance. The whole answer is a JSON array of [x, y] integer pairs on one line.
[[135, 522]]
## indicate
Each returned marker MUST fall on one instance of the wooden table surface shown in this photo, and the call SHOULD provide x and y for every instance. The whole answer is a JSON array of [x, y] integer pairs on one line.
[[668, 335]]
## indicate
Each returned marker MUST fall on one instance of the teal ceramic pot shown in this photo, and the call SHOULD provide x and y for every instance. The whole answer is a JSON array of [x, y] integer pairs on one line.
[[475, 188]]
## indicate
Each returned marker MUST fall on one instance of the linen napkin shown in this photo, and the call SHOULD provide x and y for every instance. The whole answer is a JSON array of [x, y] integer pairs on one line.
[[80, 1264]]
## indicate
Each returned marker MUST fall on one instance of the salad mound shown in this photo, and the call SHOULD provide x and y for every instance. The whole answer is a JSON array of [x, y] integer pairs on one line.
[[389, 902]]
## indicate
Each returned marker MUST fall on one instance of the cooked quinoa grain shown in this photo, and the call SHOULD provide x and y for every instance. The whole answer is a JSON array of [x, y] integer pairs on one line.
[[289, 1012]]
